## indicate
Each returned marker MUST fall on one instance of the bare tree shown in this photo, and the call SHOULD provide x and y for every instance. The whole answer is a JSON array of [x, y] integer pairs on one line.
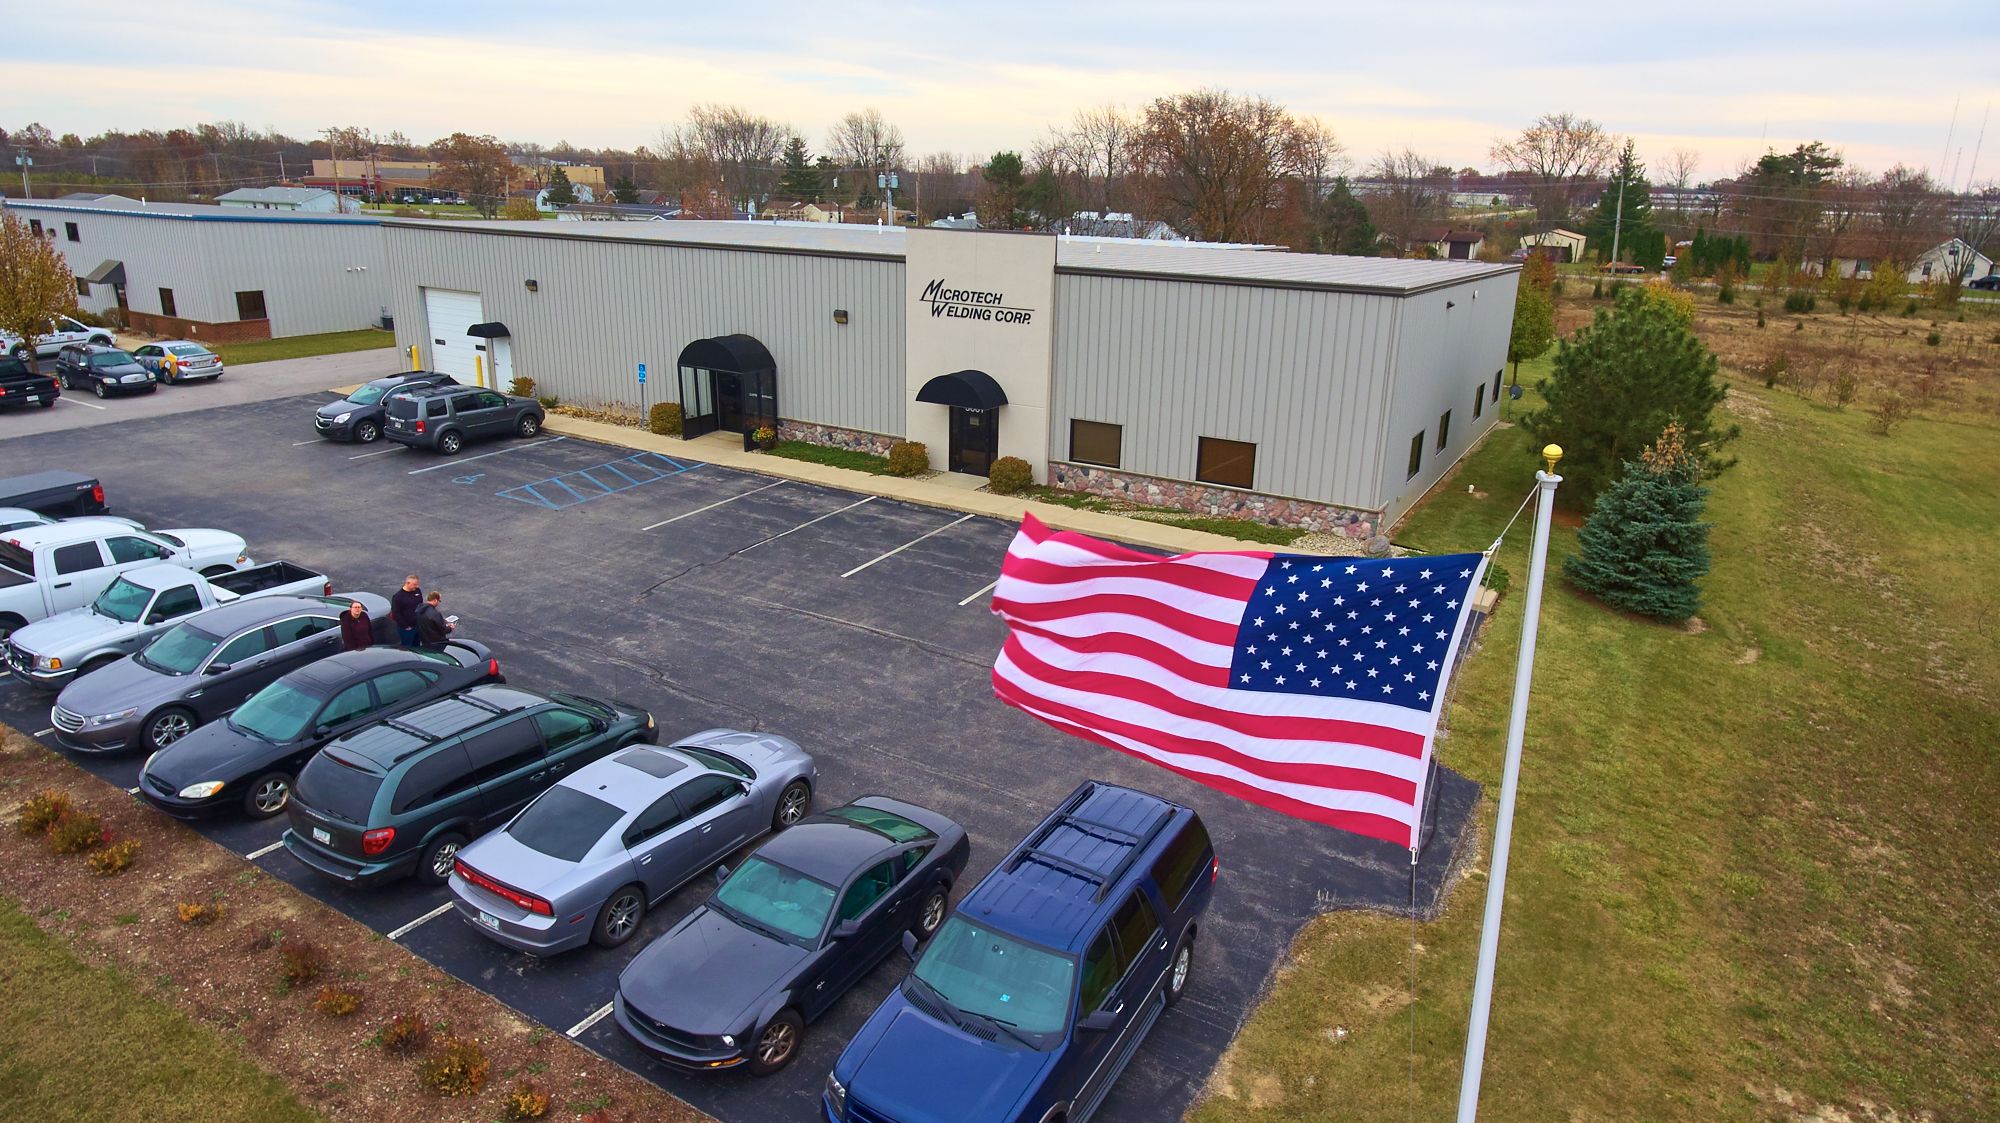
[[939, 184], [1101, 141], [1910, 215], [1561, 155], [1213, 164], [729, 146], [1411, 194], [1677, 170], [863, 145], [1975, 218]]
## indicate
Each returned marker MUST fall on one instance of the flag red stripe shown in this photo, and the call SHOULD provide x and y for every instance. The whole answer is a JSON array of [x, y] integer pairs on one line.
[[1191, 577], [1130, 604], [1038, 532], [1139, 647]]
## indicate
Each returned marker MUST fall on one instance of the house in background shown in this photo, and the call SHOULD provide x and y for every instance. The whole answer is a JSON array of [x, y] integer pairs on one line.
[[1563, 245], [1934, 264], [308, 200], [1445, 243], [584, 194]]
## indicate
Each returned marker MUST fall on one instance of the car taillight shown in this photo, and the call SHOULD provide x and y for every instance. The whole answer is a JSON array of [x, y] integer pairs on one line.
[[527, 901], [1214, 869], [420, 425], [493, 668], [326, 590], [97, 493], [375, 841]]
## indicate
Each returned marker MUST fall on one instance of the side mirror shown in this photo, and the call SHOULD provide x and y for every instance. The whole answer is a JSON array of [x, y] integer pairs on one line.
[[721, 874], [910, 945], [156, 617], [322, 730], [846, 929], [216, 668], [1098, 1021]]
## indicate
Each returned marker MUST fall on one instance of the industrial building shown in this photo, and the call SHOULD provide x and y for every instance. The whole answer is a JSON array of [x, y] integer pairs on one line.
[[214, 273], [1313, 390]]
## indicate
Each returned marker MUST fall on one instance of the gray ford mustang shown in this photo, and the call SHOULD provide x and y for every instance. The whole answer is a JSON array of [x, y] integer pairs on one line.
[[590, 855]]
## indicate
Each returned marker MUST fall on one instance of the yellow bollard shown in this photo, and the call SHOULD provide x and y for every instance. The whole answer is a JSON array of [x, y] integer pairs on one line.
[[479, 370], [413, 357]]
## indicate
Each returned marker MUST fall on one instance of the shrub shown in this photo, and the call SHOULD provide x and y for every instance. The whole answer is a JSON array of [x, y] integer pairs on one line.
[[299, 962], [405, 1034], [909, 458], [42, 811], [458, 1068], [1934, 339], [115, 858], [1497, 578], [198, 914], [1597, 291], [526, 1101], [1798, 302], [75, 832], [764, 437], [1009, 474], [549, 401], [1889, 413], [1845, 387], [1910, 307], [337, 1002], [522, 387], [665, 419], [1760, 317]]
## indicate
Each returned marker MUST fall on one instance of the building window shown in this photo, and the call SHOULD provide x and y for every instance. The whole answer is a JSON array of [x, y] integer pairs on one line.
[[1229, 463], [167, 303], [1444, 429], [1096, 442], [1478, 401], [69, 231], [1416, 456], [34, 226], [250, 305], [1496, 383], [82, 287]]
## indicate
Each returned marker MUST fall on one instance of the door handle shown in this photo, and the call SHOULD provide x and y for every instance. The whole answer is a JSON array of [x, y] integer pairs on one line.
[[646, 860], [64, 584], [1163, 943], [709, 827], [538, 775]]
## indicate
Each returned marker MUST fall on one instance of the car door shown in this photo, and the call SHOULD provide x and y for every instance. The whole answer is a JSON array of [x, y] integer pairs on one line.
[[508, 766], [129, 551], [1133, 1000], [483, 412], [303, 639], [398, 687], [150, 357], [78, 572], [663, 853], [239, 668], [346, 711], [719, 812], [863, 928]]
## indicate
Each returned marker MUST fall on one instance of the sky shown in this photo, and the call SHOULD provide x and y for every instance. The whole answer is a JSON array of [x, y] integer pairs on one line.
[[1725, 80]]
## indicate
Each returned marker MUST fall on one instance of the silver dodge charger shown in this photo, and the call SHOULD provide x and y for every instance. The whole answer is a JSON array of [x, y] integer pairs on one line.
[[589, 856]]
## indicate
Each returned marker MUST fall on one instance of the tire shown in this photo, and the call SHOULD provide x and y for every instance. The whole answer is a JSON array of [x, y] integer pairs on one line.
[[794, 803], [449, 444], [97, 664], [10, 622], [266, 796], [366, 432], [1179, 968], [777, 1044], [48, 403], [101, 340], [619, 919], [21, 352], [529, 426], [165, 727], [62, 380], [931, 913], [100, 391], [441, 850]]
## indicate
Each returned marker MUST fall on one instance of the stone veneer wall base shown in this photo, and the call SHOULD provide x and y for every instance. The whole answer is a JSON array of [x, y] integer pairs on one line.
[[1219, 502], [832, 436]]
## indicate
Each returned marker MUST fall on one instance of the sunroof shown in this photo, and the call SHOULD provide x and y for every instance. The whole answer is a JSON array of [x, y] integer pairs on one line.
[[655, 764], [893, 826]]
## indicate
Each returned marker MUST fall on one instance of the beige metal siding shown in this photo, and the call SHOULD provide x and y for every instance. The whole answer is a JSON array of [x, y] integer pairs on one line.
[[601, 308], [1301, 374], [1441, 354]]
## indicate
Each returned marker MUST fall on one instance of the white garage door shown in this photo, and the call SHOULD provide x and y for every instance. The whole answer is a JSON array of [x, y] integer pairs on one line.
[[449, 314]]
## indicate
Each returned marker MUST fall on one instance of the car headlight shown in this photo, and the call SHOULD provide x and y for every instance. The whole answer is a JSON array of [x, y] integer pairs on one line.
[[107, 719], [729, 1041], [343, 418], [202, 790], [836, 1097], [48, 662]]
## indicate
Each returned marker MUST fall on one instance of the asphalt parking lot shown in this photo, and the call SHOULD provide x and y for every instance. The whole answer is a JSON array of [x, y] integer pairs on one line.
[[855, 625]]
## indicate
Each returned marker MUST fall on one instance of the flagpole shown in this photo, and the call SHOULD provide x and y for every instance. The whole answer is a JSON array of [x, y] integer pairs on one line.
[[1510, 776]]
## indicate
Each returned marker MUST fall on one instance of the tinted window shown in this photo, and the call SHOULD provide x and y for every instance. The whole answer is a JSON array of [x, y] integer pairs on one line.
[[885, 823], [563, 823], [349, 703], [1100, 971], [503, 750], [1229, 463], [167, 303], [77, 558], [17, 559], [122, 600], [563, 728], [987, 973], [398, 685], [330, 785], [369, 394], [1478, 402], [402, 407], [279, 712], [868, 889], [434, 408], [704, 792], [250, 305], [662, 815], [1416, 456], [1496, 384], [1094, 442], [443, 773], [914, 858], [176, 603], [178, 650], [487, 400], [249, 645], [1184, 860], [777, 898], [716, 761], [302, 627], [1444, 430], [1135, 924], [127, 548]]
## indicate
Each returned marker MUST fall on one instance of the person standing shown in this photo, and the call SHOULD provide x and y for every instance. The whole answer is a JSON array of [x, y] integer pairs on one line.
[[432, 628], [403, 607], [357, 631]]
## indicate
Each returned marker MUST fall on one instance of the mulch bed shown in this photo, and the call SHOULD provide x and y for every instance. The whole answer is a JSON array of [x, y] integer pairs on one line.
[[227, 974]]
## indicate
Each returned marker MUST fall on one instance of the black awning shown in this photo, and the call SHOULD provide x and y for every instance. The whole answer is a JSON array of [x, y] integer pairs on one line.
[[109, 273], [740, 354], [965, 389], [494, 330]]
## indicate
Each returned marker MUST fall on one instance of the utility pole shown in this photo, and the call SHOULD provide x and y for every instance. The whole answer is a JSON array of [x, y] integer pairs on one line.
[[1618, 219], [281, 165], [25, 162]]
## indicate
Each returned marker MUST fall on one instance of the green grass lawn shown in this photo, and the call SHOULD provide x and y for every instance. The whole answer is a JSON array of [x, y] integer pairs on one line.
[[300, 346], [832, 457], [82, 1042], [1753, 863]]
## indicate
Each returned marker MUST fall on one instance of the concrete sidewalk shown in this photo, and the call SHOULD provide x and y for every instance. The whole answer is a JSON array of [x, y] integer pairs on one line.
[[940, 490]]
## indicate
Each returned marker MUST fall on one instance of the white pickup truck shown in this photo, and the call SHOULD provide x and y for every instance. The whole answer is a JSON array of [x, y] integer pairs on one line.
[[62, 332], [49, 569], [138, 605]]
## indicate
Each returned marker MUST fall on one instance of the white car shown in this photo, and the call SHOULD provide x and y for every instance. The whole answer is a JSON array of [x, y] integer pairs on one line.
[[62, 332], [50, 569], [20, 518]]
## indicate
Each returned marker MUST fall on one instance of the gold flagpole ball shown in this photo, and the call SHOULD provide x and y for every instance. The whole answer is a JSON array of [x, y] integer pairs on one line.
[[1551, 454]]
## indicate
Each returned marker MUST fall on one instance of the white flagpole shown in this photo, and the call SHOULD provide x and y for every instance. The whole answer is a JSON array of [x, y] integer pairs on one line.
[[1510, 776]]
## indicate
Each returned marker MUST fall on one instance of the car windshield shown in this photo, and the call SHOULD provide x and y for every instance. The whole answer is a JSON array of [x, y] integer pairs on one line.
[[368, 394], [564, 823], [188, 351], [279, 712], [178, 650], [111, 359], [983, 972], [771, 896], [122, 601], [587, 705]]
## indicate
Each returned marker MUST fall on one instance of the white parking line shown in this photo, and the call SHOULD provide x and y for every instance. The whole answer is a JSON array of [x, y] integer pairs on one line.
[[314, 441], [418, 922], [907, 545], [263, 850], [484, 455], [808, 523], [383, 452], [980, 593], [595, 1017], [74, 402], [714, 505]]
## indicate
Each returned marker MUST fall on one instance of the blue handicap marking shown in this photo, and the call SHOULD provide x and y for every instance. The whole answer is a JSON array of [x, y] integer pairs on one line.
[[471, 479], [642, 374], [580, 486]]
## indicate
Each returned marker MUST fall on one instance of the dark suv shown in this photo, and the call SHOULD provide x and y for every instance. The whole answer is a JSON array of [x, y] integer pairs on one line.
[[358, 416], [400, 796], [446, 418], [1036, 993], [103, 371]]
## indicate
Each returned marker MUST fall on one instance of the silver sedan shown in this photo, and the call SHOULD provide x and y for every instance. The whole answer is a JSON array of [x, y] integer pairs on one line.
[[589, 856]]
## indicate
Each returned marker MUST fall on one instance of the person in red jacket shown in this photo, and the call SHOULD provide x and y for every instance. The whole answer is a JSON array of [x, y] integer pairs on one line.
[[357, 631]]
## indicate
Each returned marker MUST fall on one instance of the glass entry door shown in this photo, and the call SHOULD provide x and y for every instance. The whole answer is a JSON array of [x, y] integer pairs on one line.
[[975, 439], [697, 403]]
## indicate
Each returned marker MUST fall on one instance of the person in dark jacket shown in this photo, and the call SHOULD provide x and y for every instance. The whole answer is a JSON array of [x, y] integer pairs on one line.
[[403, 606], [432, 628], [357, 631]]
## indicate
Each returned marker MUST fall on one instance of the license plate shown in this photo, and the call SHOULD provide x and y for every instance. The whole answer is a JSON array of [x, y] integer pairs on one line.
[[323, 836], [33, 399], [490, 921]]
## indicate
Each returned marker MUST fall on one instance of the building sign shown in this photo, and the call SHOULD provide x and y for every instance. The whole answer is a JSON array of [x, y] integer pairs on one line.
[[972, 304]]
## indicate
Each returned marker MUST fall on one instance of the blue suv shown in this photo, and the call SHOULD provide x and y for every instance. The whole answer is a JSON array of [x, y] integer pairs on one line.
[[1030, 1000]]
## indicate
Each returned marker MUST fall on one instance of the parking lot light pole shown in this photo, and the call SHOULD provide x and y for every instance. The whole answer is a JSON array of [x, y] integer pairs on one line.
[[24, 161]]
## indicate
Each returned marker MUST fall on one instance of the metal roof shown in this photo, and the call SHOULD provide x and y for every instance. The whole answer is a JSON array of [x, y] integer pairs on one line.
[[274, 194], [191, 212]]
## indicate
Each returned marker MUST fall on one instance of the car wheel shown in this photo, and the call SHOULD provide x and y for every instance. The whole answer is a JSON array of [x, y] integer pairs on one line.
[[366, 432], [99, 390], [48, 403], [930, 914], [267, 795], [450, 443], [101, 340], [21, 353], [777, 1043], [8, 623], [793, 803], [1179, 969], [166, 727], [62, 380], [97, 664], [530, 425], [434, 868], [619, 919]]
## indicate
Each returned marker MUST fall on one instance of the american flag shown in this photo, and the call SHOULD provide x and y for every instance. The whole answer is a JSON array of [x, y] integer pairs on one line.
[[1307, 684]]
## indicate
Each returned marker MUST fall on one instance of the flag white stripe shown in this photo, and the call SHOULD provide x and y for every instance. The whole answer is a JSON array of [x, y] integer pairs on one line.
[[1100, 623], [1070, 554], [1224, 610]]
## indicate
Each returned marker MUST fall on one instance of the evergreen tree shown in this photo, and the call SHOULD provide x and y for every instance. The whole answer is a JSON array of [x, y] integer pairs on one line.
[[561, 192], [1534, 325], [1628, 175], [1344, 226], [1645, 545], [801, 179], [625, 191], [1618, 381]]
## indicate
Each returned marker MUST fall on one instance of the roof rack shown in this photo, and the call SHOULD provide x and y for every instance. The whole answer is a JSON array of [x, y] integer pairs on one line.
[[1135, 844]]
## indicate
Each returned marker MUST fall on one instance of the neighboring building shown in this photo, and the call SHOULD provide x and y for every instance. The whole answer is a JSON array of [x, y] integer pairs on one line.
[[1116, 224], [583, 195], [377, 178], [309, 200], [1322, 391], [793, 210], [617, 212], [1564, 245], [1934, 264], [217, 273], [1447, 243]]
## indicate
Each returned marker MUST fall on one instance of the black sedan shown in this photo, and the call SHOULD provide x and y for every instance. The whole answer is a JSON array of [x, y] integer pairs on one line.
[[805, 917], [358, 416], [103, 371], [249, 760]]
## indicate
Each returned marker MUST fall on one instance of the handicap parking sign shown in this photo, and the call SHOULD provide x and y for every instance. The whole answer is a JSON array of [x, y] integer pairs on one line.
[[642, 374]]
